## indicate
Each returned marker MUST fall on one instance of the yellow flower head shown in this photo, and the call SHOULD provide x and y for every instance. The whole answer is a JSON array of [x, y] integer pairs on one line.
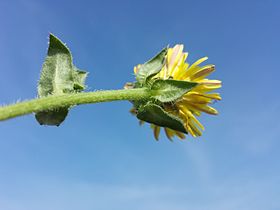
[[192, 103]]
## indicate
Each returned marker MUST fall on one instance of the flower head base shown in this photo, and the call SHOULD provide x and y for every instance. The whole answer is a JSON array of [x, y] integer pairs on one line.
[[192, 102]]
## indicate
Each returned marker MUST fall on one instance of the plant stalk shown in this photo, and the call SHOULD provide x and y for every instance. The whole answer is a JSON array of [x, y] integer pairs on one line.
[[67, 100]]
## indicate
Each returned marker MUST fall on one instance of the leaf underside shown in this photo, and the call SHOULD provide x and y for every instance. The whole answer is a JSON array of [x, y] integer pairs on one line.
[[58, 76], [54, 117], [151, 67], [171, 90], [154, 114]]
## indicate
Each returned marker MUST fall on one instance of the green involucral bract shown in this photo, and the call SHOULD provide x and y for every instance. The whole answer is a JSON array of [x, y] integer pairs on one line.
[[163, 92], [58, 76], [170, 90], [153, 113], [151, 67]]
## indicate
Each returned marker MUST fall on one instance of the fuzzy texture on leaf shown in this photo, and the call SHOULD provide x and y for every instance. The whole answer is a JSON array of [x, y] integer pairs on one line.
[[151, 67], [153, 113], [171, 90], [180, 89], [58, 76]]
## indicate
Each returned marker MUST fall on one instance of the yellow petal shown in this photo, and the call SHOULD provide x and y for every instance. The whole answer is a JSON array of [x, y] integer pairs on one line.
[[136, 68], [181, 73], [204, 108], [215, 96], [202, 73], [172, 60], [196, 98], [194, 67], [189, 129], [156, 131], [195, 129], [211, 82], [196, 121], [175, 56], [208, 85], [199, 61], [180, 135], [189, 115], [169, 133]]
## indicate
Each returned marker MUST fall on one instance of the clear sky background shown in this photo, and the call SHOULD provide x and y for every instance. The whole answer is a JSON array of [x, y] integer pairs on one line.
[[100, 158]]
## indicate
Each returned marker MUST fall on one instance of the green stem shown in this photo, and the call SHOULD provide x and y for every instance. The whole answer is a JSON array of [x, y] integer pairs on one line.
[[52, 102]]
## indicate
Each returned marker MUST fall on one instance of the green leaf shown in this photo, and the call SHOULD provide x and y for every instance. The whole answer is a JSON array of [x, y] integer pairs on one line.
[[79, 79], [58, 76], [151, 67], [170, 90], [54, 117], [153, 113]]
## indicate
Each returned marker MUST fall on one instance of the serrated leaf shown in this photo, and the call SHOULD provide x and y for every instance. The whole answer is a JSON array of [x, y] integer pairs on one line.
[[79, 77], [153, 113], [58, 76], [170, 90], [151, 67]]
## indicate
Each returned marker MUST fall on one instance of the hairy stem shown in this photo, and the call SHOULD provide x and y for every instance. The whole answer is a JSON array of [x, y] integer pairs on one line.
[[53, 102]]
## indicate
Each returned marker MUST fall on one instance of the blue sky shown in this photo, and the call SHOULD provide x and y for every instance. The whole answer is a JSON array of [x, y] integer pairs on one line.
[[100, 158]]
